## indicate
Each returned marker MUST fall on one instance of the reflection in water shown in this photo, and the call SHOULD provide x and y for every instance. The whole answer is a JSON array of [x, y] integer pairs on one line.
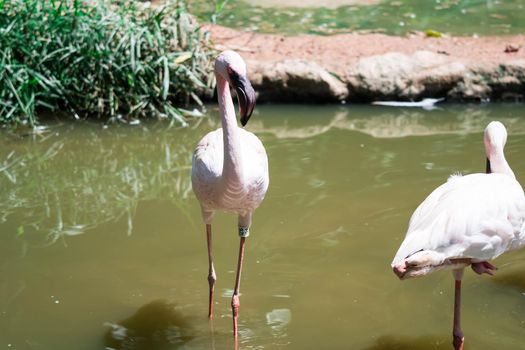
[[388, 122], [344, 184], [67, 180], [332, 238], [157, 325], [67, 183], [278, 320], [390, 342]]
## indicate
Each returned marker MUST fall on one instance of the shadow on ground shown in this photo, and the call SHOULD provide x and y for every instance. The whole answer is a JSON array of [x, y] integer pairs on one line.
[[391, 342], [155, 326]]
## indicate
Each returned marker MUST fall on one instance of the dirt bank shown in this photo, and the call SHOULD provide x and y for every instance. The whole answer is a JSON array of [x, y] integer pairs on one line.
[[366, 67]]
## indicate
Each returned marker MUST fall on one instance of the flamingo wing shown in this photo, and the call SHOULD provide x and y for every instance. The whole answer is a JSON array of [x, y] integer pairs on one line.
[[255, 168], [207, 163]]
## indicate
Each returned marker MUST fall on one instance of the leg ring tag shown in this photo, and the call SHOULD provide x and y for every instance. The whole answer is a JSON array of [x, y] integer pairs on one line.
[[244, 231]]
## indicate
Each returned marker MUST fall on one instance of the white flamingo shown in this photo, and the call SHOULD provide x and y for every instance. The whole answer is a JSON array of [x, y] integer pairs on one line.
[[230, 166], [466, 221]]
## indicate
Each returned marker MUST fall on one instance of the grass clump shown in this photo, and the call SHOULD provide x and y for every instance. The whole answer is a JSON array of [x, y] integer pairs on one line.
[[100, 59]]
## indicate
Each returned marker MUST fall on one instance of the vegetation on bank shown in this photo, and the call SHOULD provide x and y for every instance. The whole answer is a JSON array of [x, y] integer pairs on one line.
[[400, 17], [105, 59]]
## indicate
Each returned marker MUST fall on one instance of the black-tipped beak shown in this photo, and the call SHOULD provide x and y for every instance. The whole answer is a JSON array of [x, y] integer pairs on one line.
[[245, 94], [488, 170]]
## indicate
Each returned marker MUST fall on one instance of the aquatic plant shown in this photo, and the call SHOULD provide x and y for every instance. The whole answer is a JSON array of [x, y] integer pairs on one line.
[[105, 59]]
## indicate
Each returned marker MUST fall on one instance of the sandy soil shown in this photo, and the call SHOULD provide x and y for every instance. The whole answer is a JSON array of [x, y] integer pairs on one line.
[[338, 52]]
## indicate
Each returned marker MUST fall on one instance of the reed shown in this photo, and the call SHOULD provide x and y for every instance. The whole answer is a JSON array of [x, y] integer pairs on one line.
[[108, 60]]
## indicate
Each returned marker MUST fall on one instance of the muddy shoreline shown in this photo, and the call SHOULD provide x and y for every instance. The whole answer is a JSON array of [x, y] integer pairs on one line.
[[370, 67]]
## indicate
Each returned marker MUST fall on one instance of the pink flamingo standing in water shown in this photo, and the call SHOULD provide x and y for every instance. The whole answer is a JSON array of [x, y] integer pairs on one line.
[[466, 222], [230, 166]]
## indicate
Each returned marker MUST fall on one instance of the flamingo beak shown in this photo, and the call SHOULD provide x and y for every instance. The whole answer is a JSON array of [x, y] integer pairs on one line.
[[488, 170], [245, 94]]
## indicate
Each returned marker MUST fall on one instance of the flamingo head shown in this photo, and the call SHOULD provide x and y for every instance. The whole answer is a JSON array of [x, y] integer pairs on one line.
[[231, 67], [495, 139]]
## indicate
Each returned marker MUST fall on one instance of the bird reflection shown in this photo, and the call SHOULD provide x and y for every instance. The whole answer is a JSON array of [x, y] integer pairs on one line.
[[385, 122], [155, 326], [389, 342]]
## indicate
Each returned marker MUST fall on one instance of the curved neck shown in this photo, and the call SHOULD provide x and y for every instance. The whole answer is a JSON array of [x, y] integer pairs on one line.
[[232, 167], [498, 164]]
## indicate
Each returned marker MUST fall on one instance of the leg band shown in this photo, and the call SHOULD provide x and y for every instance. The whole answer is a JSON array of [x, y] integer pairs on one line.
[[244, 231]]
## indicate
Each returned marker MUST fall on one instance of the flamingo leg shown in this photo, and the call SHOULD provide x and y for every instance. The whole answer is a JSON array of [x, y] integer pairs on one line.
[[457, 333], [235, 298], [212, 277]]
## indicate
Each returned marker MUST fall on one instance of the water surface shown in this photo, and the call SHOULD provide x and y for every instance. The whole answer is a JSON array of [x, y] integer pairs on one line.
[[399, 17], [100, 228]]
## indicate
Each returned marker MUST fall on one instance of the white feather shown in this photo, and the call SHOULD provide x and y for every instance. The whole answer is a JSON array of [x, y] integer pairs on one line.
[[469, 219], [478, 216], [207, 176]]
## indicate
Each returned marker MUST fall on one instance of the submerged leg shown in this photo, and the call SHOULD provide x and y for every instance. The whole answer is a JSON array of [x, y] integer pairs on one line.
[[457, 333], [212, 277], [235, 298]]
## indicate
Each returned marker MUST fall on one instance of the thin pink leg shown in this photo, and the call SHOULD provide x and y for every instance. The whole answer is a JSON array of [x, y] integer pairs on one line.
[[457, 333], [235, 297], [212, 277]]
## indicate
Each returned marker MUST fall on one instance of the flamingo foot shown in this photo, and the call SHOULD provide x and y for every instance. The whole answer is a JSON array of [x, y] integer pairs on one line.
[[483, 267], [459, 340], [235, 311]]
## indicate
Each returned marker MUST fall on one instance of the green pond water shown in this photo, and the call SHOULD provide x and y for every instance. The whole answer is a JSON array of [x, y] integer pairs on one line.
[[399, 17], [102, 243]]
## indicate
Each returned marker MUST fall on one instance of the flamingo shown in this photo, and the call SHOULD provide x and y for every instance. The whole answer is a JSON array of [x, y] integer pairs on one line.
[[230, 166], [467, 221]]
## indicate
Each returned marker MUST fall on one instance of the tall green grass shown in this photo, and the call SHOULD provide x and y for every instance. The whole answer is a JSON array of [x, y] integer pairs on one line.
[[100, 59]]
